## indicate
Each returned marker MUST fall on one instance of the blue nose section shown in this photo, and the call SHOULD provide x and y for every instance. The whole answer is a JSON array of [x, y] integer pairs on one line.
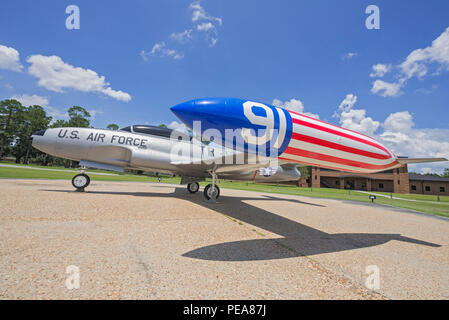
[[212, 113], [224, 120], [208, 111]]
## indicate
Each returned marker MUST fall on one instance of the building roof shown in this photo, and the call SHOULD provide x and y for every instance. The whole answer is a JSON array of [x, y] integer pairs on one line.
[[414, 176]]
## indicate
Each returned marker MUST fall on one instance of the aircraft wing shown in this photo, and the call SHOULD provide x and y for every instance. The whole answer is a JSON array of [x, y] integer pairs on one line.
[[247, 167], [419, 160], [222, 164], [291, 165]]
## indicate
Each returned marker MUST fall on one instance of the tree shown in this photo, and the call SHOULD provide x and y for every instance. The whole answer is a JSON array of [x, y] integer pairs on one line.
[[21, 139], [11, 122], [78, 117], [38, 120], [34, 118], [446, 173], [112, 126], [59, 124], [304, 172], [163, 125]]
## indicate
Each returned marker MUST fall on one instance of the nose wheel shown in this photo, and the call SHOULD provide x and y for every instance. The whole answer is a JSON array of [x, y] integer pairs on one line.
[[193, 187], [80, 181]]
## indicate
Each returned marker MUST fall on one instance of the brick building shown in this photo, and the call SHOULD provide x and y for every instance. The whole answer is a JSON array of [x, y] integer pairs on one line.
[[396, 181], [428, 184]]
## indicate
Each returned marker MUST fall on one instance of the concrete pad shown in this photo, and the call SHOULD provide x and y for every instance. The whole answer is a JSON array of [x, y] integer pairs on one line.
[[157, 241]]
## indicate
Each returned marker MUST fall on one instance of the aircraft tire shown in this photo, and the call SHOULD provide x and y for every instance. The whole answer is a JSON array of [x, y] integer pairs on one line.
[[80, 181], [208, 192], [193, 187]]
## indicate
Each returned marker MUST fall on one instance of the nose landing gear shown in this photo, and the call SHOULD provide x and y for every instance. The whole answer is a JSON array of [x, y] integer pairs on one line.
[[193, 187], [80, 181]]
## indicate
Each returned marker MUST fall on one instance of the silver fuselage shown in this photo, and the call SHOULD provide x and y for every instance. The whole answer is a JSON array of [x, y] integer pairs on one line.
[[115, 150]]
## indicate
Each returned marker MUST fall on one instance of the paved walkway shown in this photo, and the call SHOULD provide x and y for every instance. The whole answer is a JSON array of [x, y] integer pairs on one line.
[[157, 241]]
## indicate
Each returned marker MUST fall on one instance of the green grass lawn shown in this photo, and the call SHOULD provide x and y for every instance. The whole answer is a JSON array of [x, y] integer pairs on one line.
[[54, 167], [427, 204], [433, 207], [420, 197], [25, 173]]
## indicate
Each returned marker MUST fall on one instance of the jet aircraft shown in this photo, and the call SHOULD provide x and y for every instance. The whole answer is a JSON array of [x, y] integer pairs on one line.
[[244, 140]]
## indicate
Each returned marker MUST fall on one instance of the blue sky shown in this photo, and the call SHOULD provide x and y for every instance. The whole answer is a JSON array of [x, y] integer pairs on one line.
[[309, 55]]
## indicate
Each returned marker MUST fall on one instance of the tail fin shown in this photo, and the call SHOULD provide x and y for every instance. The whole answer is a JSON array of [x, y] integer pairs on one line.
[[419, 160]]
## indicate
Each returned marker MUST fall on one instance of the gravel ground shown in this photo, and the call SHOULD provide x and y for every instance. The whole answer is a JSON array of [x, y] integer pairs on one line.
[[156, 241]]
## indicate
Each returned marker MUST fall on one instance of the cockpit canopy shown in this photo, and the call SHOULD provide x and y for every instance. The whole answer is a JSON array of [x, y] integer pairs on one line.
[[157, 131]]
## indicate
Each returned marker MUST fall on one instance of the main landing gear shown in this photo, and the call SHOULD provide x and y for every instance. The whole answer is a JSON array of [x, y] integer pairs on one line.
[[211, 191], [80, 181]]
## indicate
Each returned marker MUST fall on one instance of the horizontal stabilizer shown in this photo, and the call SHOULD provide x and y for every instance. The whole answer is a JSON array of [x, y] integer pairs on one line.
[[419, 160]]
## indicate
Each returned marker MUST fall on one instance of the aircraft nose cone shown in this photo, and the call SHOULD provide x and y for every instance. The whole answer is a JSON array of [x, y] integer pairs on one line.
[[182, 109], [205, 110], [41, 142]]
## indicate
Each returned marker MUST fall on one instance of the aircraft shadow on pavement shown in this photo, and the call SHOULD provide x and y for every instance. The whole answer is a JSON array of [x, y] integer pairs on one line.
[[295, 239]]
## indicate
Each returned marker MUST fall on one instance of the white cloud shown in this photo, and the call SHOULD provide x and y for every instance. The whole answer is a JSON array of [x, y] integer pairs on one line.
[[180, 127], [198, 13], [177, 126], [419, 143], [94, 113], [206, 23], [8, 86], [157, 47], [116, 94], [355, 119], [213, 42], [387, 89], [56, 75], [379, 70], [399, 122], [417, 64], [349, 55], [9, 59], [426, 170], [348, 102], [56, 114], [174, 54], [398, 134], [210, 32], [182, 37], [294, 105], [32, 100], [160, 49], [205, 26], [427, 91]]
